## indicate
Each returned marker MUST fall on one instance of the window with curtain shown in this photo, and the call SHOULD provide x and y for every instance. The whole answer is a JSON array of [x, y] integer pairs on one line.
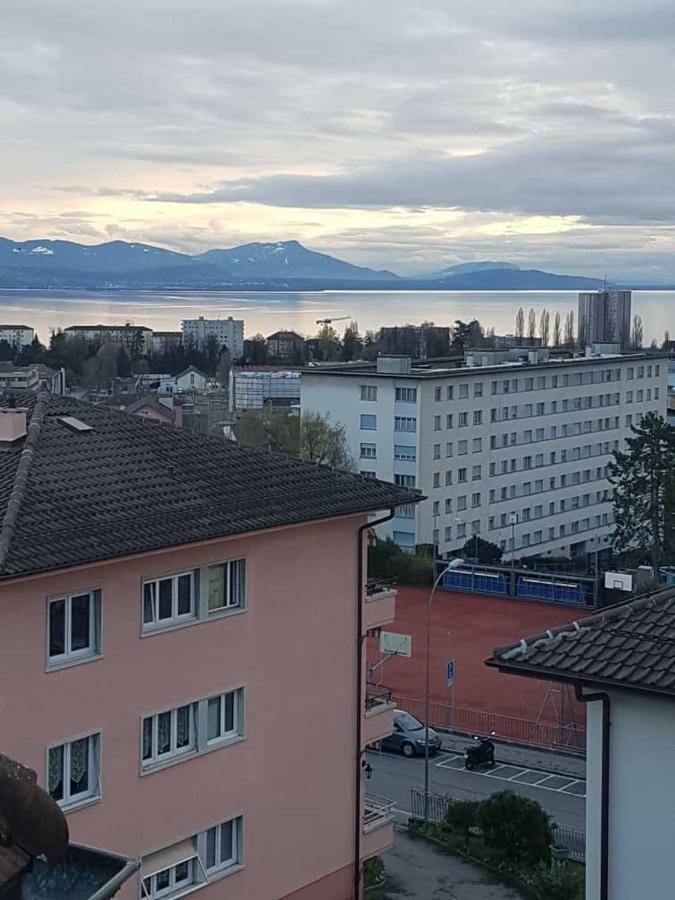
[[73, 775], [169, 734], [169, 600]]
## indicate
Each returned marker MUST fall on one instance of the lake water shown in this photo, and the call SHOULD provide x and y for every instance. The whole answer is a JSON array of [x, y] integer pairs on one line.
[[268, 312]]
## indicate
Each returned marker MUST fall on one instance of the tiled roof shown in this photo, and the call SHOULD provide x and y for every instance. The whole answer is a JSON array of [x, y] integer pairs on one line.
[[127, 486], [631, 646]]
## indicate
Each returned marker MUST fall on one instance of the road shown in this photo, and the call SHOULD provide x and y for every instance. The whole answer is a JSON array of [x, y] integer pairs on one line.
[[552, 782]]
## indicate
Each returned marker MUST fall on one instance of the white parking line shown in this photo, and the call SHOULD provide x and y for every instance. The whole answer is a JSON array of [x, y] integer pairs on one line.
[[569, 781]]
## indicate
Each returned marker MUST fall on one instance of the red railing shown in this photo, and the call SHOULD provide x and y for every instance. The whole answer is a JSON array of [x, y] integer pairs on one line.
[[552, 736]]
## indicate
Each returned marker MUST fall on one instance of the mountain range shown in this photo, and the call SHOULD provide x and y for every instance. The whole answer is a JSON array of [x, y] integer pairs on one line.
[[284, 265]]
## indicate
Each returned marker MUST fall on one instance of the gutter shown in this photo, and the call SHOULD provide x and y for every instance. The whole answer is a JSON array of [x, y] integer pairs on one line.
[[358, 823], [603, 697], [112, 887]]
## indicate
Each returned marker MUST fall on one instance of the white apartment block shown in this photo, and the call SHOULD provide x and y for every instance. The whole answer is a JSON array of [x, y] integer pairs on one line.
[[229, 332], [503, 448], [17, 335]]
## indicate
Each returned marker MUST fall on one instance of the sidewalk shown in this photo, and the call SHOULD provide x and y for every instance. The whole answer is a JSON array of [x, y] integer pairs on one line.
[[417, 870], [527, 757]]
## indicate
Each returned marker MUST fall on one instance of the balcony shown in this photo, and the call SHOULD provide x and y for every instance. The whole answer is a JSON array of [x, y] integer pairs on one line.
[[378, 717], [380, 605], [378, 826]]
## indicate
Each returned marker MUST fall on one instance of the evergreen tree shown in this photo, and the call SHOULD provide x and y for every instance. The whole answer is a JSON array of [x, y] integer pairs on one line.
[[352, 345], [531, 325], [643, 478], [520, 323], [557, 330]]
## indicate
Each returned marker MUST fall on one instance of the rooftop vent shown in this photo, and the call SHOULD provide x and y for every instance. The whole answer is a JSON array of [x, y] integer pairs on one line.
[[12, 423], [74, 424]]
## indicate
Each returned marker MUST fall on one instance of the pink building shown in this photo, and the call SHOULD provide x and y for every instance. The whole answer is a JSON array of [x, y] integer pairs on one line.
[[182, 625]]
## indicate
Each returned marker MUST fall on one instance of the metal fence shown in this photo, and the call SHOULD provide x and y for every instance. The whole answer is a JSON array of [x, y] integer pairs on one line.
[[567, 839], [570, 738], [377, 695]]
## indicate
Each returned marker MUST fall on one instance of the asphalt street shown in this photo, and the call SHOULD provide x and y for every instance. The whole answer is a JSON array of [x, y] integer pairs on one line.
[[555, 781]]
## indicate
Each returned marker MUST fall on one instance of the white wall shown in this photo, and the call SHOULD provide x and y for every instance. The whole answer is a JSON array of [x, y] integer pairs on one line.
[[642, 799]]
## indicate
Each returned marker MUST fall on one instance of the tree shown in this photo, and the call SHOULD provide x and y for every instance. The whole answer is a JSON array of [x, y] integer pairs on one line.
[[7, 351], [531, 325], [328, 333], [636, 333], [520, 323], [264, 429], [643, 478], [666, 340], [557, 334], [256, 350], [544, 327], [324, 443], [352, 345], [223, 367], [485, 551], [516, 828], [123, 362], [569, 329], [467, 334]]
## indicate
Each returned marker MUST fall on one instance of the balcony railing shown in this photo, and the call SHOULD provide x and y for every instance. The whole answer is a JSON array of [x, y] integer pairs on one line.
[[377, 811], [376, 586], [378, 695]]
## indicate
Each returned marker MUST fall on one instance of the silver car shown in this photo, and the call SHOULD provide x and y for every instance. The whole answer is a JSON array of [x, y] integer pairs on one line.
[[409, 735]]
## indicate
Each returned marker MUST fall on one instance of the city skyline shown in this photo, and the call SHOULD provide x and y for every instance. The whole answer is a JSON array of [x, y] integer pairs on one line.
[[454, 135]]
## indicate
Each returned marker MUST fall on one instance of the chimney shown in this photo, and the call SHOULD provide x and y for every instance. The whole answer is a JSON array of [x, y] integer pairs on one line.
[[12, 422]]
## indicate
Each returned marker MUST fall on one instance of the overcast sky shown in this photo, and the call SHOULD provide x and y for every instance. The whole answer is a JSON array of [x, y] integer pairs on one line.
[[396, 134]]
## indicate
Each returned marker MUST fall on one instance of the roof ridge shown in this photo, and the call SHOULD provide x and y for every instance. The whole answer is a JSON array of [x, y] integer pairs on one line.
[[21, 476]]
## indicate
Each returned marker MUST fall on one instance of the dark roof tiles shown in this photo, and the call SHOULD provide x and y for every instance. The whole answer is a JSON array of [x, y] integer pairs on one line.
[[129, 486], [631, 645]]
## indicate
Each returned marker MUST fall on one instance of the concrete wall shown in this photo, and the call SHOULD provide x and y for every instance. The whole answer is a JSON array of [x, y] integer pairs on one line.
[[293, 649], [642, 812]]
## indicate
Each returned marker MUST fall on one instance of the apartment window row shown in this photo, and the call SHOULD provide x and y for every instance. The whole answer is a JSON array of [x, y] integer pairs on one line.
[[553, 533], [552, 508], [74, 631], [405, 394], [586, 476], [554, 457], [192, 863], [546, 382], [459, 391], [74, 766]]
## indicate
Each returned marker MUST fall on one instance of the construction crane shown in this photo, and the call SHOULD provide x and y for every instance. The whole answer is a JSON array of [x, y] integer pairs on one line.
[[330, 321]]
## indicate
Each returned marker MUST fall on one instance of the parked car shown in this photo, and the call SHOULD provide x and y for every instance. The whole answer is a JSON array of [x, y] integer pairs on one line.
[[408, 736]]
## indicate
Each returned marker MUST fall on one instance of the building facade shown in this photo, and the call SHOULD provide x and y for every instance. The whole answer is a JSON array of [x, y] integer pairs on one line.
[[174, 632], [516, 451], [226, 332], [135, 338], [17, 335], [604, 318], [33, 378], [286, 346], [257, 388]]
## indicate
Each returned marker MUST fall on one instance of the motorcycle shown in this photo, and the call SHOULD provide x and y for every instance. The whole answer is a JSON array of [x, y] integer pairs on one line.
[[482, 754]]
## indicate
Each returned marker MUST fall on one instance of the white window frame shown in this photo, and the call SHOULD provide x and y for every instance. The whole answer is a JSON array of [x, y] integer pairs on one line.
[[70, 656], [369, 392], [231, 602], [368, 416], [368, 451], [174, 889], [93, 794], [223, 865], [237, 715], [405, 424], [174, 753], [175, 618], [405, 395]]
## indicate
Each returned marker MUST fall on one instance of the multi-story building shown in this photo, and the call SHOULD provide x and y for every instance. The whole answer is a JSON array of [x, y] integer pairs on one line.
[[604, 318], [185, 620], [17, 335], [286, 346], [136, 338], [35, 377], [269, 386], [512, 446], [226, 332]]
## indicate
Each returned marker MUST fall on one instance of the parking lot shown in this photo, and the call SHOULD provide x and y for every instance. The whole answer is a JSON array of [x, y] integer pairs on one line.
[[536, 778]]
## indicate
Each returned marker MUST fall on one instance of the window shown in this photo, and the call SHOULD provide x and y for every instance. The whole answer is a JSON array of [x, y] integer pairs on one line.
[[448, 476], [407, 481], [448, 421], [448, 533], [641, 372], [405, 539], [478, 389], [226, 585], [368, 473], [656, 393], [169, 601], [449, 392], [477, 417], [406, 453], [222, 716], [462, 448], [438, 394], [437, 479], [448, 505], [405, 423], [463, 419], [477, 445], [436, 508], [368, 423], [448, 448], [475, 500], [463, 391], [476, 473], [169, 734], [437, 423], [73, 771], [222, 846], [368, 392], [437, 451], [368, 451], [405, 394], [407, 511], [74, 628], [461, 530], [461, 475], [461, 504]]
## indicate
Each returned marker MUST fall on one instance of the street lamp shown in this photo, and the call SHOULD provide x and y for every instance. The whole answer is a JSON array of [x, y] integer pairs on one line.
[[453, 564]]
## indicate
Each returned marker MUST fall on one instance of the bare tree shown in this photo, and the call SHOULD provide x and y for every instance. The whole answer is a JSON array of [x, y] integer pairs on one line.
[[666, 340], [520, 323], [532, 324], [569, 329], [557, 330], [636, 333], [544, 327], [223, 367]]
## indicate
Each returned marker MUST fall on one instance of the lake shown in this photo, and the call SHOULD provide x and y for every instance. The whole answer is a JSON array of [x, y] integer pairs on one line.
[[268, 312]]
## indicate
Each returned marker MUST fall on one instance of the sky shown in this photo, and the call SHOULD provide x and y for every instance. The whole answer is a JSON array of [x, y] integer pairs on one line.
[[401, 135]]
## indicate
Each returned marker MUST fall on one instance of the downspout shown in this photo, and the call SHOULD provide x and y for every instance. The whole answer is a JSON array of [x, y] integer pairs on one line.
[[360, 600], [604, 788]]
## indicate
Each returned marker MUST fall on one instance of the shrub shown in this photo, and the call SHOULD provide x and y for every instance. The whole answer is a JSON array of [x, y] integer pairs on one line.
[[516, 828], [387, 560], [373, 872], [559, 882], [462, 815]]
